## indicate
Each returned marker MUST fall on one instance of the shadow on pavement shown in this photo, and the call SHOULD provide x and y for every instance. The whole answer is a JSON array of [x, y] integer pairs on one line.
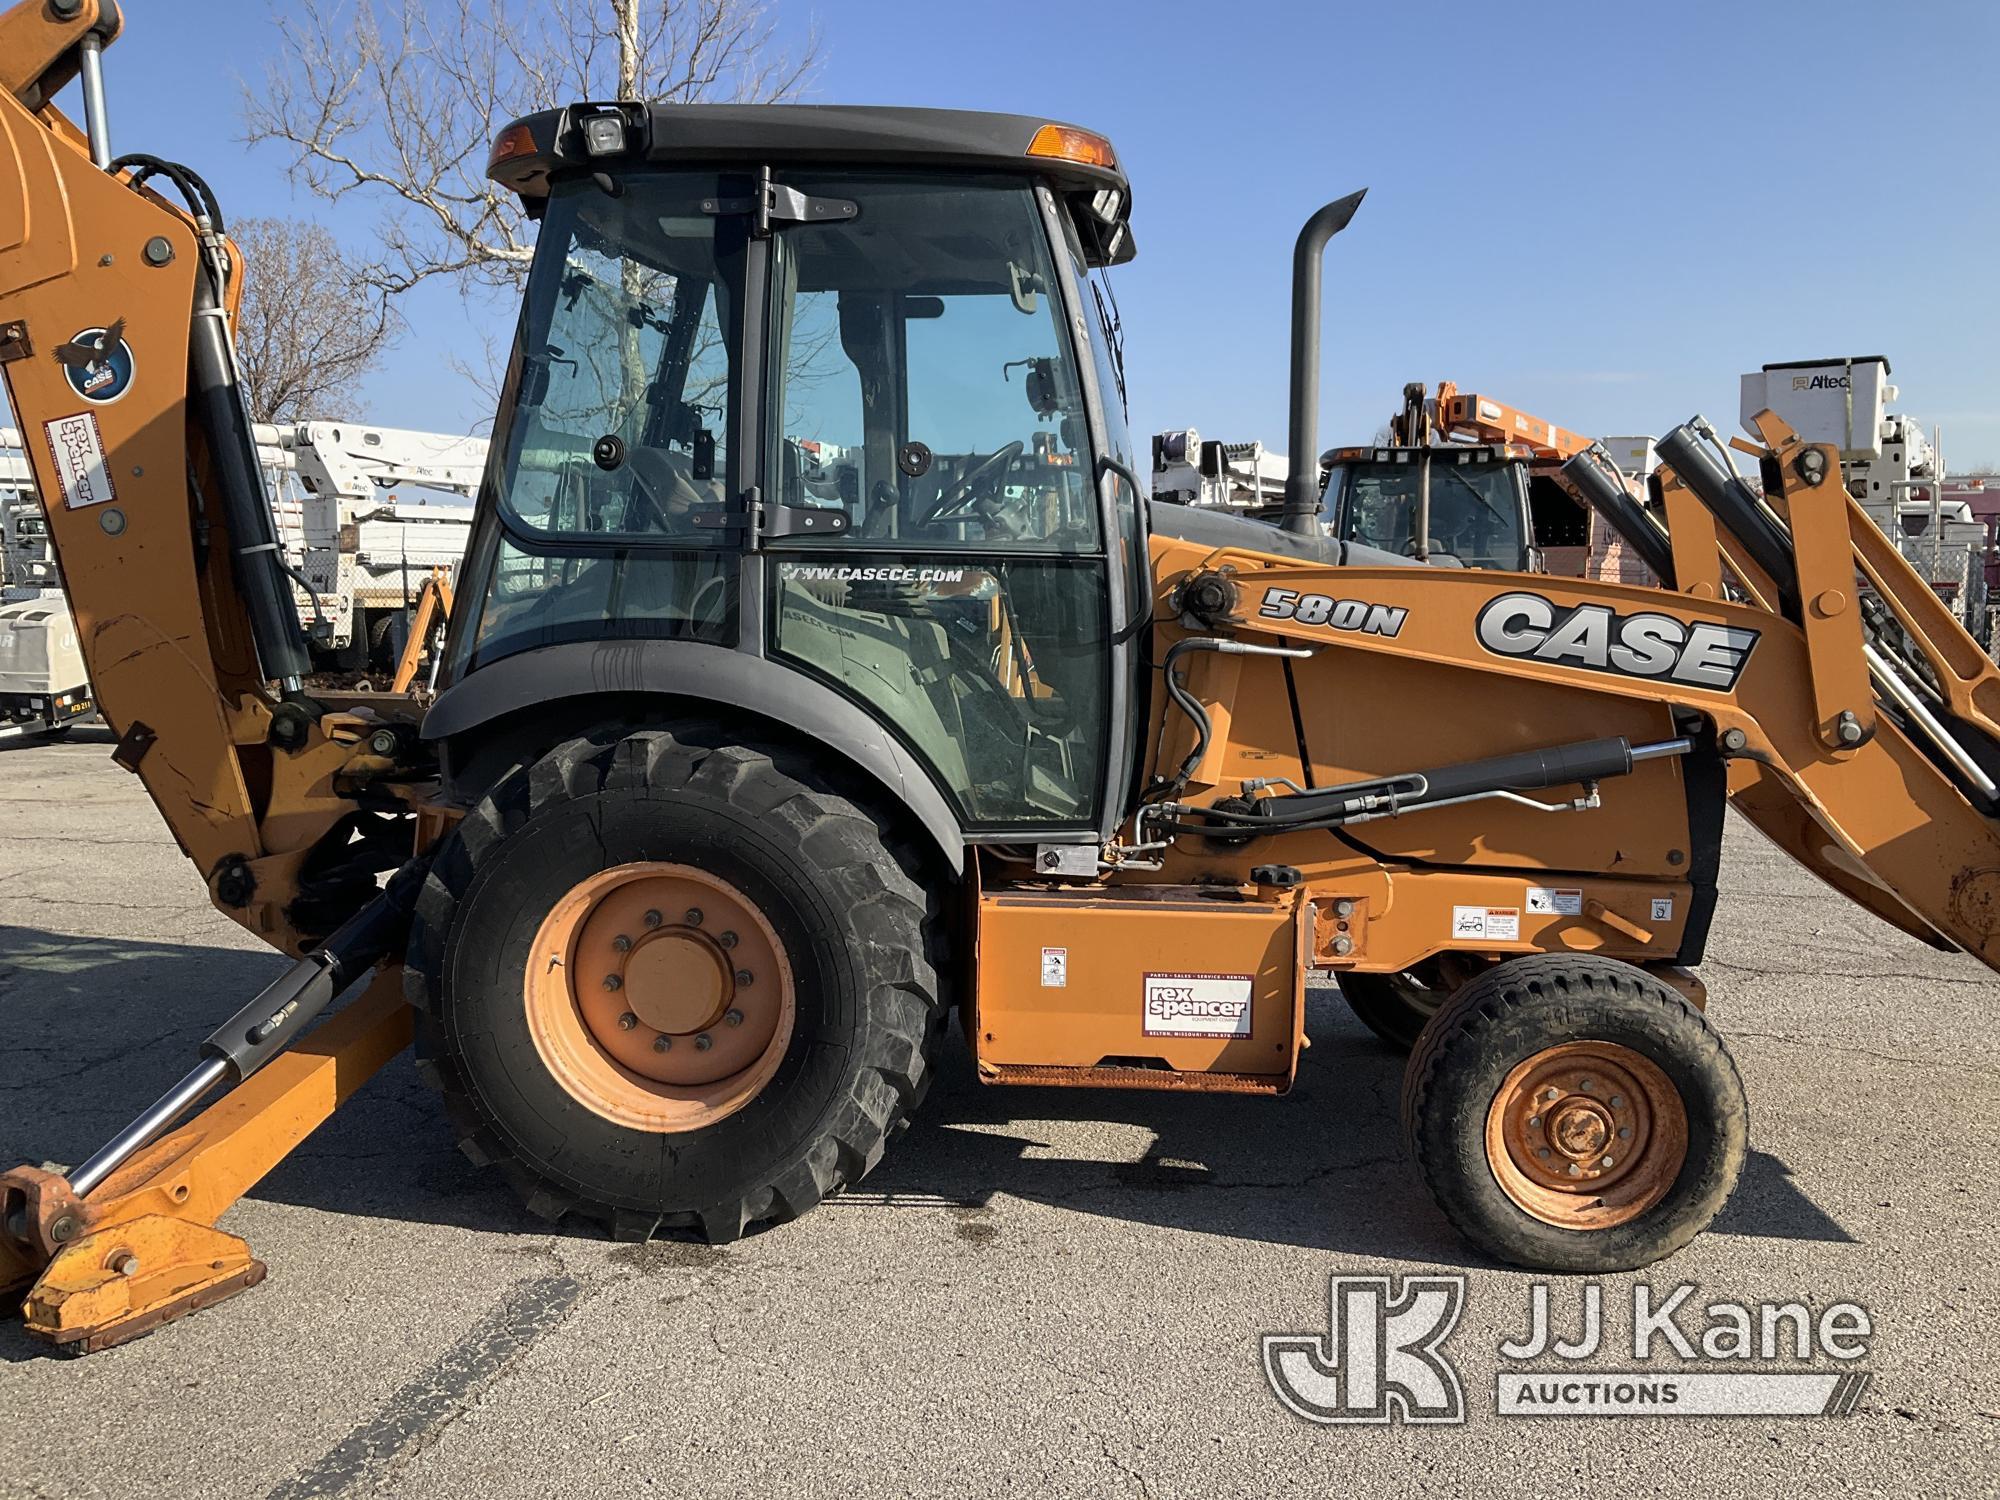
[[95, 732], [98, 1028]]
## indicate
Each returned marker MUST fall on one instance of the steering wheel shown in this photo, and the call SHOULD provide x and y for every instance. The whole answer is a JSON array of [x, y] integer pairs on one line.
[[954, 500]]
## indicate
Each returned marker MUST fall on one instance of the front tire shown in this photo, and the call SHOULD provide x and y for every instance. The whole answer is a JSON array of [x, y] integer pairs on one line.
[[674, 980], [1575, 1114]]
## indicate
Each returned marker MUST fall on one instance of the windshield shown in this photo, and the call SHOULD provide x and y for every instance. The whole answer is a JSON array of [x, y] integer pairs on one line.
[[1475, 514]]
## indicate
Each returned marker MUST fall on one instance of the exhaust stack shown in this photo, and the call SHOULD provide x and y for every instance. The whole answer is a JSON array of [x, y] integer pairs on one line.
[[1302, 480]]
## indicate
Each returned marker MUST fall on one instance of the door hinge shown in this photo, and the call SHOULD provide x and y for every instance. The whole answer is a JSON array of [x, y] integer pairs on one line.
[[772, 520], [773, 205], [14, 342]]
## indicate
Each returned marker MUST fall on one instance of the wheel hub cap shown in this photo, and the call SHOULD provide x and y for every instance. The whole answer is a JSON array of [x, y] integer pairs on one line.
[[659, 995], [1586, 1135]]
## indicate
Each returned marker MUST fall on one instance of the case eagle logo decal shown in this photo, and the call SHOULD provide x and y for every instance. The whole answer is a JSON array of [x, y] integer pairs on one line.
[[97, 362]]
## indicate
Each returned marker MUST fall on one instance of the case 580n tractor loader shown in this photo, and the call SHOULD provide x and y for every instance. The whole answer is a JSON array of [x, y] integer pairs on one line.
[[818, 667]]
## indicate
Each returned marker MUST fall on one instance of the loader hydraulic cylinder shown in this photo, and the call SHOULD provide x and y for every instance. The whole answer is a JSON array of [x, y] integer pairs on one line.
[[1730, 501], [1599, 483]]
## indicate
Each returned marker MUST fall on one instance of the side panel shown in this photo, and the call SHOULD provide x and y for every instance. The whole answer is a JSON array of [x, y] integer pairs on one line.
[[1147, 986]]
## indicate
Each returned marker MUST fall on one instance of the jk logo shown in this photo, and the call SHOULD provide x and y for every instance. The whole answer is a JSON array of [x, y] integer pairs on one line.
[[1380, 1360]]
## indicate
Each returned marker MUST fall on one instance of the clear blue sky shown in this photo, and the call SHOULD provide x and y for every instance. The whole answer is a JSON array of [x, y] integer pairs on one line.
[[1603, 213]]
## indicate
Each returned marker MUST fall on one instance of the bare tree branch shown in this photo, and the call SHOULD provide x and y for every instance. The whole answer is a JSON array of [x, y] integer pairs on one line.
[[395, 101], [308, 329]]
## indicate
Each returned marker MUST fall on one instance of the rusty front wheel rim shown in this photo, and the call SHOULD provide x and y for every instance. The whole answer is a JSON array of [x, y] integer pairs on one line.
[[1586, 1135], [659, 996]]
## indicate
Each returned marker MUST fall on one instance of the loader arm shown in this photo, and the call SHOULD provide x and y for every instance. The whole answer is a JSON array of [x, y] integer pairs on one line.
[[103, 283], [1875, 776]]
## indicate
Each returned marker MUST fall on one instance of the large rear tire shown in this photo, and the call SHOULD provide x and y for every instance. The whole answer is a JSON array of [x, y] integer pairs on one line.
[[675, 980], [1576, 1114]]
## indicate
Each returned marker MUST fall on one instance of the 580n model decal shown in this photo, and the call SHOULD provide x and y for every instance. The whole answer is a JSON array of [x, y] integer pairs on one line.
[[1337, 614], [1645, 645]]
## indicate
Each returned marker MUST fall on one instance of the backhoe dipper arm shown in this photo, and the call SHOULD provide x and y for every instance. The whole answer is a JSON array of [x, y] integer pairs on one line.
[[118, 362]]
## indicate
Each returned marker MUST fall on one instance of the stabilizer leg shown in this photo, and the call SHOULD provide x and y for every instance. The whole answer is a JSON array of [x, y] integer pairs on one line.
[[140, 1249]]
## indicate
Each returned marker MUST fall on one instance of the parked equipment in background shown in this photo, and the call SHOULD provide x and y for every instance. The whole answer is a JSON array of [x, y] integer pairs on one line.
[[379, 510], [1464, 481], [747, 770], [1894, 471], [1242, 477]]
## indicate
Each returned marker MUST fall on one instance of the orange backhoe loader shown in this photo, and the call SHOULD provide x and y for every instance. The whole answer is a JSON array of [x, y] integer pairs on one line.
[[818, 667]]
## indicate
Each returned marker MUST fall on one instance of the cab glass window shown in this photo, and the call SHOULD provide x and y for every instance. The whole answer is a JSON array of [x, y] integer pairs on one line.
[[627, 382], [923, 381]]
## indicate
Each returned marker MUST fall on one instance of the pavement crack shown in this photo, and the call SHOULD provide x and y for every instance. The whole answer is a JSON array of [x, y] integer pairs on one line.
[[414, 1417], [1958, 1064]]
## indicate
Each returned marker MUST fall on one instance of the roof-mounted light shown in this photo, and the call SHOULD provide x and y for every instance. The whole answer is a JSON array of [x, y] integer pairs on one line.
[[1067, 143], [515, 140], [604, 135]]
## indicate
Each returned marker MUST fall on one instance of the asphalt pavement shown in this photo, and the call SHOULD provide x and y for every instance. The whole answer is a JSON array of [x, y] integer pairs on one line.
[[1039, 1291]]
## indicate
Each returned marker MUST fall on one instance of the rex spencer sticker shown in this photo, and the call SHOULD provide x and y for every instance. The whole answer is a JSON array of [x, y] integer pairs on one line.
[[1055, 968], [1197, 1005], [1549, 901], [78, 450], [1497, 923]]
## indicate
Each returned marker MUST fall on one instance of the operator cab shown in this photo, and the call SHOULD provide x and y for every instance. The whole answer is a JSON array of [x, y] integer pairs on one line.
[[837, 389]]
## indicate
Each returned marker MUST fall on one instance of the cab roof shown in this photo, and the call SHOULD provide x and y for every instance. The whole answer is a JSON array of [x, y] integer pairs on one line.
[[530, 151]]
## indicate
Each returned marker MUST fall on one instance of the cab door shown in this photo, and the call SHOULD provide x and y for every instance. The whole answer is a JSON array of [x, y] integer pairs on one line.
[[924, 391]]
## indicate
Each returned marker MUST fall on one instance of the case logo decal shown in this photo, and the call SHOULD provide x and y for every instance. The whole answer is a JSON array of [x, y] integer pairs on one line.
[[97, 362], [1649, 646]]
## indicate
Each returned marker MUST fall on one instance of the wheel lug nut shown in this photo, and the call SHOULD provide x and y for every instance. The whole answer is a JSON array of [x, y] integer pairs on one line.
[[1584, 1084], [733, 1017], [653, 919], [663, 1043], [1575, 1170], [703, 1042], [1624, 1132], [1543, 1152], [613, 982], [728, 940], [1617, 1101], [1550, 1094], [744, 976], [1608, 1162], [1534, 1122], [622, 943], [627, 1021], [694, 916]]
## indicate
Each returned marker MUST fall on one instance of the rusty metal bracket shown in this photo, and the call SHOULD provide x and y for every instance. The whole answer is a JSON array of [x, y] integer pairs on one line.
[[15, 342]]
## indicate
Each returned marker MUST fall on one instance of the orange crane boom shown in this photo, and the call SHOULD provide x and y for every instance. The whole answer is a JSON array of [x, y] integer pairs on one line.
[[1489, 421]]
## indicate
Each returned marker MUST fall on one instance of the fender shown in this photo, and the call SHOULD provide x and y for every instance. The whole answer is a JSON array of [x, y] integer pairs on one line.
[[710, 674]]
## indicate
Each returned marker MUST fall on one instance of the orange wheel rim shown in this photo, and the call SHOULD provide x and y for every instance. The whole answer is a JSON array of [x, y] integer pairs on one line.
[[1587, 1135], [659, 996]]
